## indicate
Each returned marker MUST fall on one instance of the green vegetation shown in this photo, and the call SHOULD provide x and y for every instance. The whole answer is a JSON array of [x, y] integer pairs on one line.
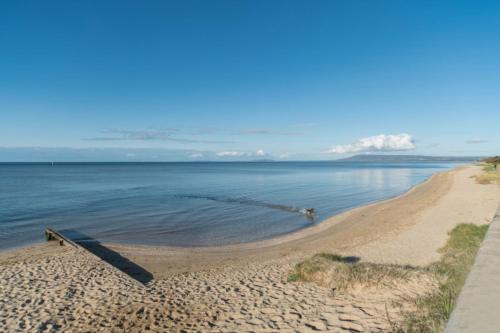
[[339, 272], [491, 168], [432, 312], [427, 314]]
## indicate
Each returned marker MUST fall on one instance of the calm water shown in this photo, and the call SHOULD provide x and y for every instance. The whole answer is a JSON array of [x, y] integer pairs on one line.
[[189, 204]]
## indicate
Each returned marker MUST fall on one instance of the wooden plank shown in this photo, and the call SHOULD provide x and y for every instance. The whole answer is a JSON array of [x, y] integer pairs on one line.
[[51, 234]]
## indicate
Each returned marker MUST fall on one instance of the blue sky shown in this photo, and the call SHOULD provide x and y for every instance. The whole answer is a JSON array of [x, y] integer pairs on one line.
[[236, 80]]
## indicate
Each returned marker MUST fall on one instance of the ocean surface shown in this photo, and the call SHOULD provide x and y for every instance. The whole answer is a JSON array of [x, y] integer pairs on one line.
[[189, 204]]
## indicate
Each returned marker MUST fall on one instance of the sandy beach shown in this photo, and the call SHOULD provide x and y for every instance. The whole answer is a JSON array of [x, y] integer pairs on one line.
[[244, 288]]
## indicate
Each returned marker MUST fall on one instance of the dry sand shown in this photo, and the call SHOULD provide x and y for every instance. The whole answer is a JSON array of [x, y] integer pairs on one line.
[[242, 288]]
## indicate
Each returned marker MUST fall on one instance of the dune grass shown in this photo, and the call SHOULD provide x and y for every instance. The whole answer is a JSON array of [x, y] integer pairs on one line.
[[340, 273], [429, 313], [491, 174], [433, 311]]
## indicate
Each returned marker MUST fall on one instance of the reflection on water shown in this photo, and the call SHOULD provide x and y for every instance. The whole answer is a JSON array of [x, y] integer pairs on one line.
[[189, 204], [381, 179]]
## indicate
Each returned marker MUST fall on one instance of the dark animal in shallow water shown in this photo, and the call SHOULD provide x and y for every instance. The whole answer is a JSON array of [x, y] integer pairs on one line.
[[307, 211]]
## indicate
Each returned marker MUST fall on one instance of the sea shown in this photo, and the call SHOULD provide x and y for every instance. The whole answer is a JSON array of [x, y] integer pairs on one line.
[[192, 203]]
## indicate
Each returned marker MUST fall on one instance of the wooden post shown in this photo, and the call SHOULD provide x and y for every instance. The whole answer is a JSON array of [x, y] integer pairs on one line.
[[48, 235], [51, 234]]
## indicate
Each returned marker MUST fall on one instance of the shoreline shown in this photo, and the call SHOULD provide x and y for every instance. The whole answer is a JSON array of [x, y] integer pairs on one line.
[[47, 287], [369, 231], [259, 243], [341, 233], [295, 244], [345, 233]]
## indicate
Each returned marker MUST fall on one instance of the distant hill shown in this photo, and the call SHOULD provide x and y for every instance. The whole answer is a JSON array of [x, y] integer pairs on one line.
[[409, 158]]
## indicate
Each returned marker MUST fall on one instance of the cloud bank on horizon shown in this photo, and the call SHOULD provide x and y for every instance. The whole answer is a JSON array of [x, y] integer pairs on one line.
[[377, 143]]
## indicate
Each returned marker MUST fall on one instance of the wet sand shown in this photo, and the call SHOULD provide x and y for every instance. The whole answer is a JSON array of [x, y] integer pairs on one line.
[[243, 288]]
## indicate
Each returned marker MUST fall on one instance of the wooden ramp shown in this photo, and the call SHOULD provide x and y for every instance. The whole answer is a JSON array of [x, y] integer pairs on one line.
[[122, 266]]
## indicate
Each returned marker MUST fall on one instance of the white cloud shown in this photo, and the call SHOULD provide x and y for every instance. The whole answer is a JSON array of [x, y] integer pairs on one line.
[[196, 155], [380, 142], [284, 156], [258, 153], [232, 154]]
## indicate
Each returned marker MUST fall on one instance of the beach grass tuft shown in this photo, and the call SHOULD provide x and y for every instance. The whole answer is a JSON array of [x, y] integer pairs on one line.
[[335, 271], [331, 256], [491, 174], [428, 313]]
